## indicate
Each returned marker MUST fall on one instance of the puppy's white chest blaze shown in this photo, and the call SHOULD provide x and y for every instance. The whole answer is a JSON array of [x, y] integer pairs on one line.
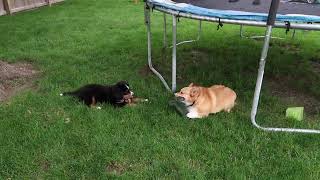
[[193, 113]]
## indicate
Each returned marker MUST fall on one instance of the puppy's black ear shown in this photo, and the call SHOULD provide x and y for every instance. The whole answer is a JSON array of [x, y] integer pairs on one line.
[[122, 83]]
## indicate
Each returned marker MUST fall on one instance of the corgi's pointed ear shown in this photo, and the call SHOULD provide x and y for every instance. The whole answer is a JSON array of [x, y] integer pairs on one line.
[[195, 92], [190, 85]]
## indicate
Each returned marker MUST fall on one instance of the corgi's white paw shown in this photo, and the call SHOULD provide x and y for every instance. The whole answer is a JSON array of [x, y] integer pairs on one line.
[[193, 115]]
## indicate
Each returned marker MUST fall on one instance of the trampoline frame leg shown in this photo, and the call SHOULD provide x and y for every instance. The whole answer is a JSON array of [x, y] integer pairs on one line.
[[182, 42], [149, 37], [164, 30], [192, 40], [174, 53], [258, 90], [174, 50]]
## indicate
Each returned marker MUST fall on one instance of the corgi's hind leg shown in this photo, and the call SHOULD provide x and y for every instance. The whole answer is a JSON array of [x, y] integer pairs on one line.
[[228, 109]]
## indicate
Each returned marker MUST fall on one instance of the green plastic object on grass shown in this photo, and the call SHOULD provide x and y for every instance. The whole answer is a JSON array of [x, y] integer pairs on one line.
[[295, 113]]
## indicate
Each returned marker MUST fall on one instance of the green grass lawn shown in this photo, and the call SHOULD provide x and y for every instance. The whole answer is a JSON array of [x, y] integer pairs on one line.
[[43, 135]]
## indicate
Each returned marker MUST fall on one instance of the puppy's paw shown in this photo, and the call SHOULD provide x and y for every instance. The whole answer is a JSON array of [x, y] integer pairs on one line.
[[193, 115]]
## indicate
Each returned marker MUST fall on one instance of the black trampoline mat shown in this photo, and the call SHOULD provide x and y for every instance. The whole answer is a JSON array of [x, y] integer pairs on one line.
[[246, 5]]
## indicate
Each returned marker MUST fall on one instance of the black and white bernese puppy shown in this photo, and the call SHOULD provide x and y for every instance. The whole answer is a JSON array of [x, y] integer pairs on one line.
[[117, 95]]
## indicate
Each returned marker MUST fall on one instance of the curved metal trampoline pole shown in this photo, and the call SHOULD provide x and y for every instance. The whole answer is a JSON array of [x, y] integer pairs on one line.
[[258, 90], [192, 40], [270, 23], [255, 37], [262, 63], [148, 22]]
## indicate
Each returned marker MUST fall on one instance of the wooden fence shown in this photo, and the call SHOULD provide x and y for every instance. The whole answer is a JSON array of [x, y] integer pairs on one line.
[[2, 9], [12, 6]]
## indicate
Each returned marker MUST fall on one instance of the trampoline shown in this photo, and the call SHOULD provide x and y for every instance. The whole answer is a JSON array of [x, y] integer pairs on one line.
[[261, 13]]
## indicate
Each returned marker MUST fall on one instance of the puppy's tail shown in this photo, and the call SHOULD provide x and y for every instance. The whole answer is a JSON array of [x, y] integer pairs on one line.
[[67, 94]]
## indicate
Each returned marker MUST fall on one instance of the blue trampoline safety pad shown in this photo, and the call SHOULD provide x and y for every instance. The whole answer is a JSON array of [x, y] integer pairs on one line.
[[230, 14]]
